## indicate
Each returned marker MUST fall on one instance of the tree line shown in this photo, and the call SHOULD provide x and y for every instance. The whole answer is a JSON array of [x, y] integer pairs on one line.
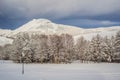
[[41, 48]]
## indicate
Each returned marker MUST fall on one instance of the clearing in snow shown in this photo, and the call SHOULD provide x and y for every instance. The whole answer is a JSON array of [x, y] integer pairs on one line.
[[74, 71]]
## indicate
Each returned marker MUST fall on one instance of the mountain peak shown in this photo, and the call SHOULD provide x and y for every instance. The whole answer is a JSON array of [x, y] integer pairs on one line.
[[46, 26], [36, 25], [41, 21]]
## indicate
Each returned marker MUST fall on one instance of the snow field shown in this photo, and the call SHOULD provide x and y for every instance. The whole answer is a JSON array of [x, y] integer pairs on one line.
[[74, 71]]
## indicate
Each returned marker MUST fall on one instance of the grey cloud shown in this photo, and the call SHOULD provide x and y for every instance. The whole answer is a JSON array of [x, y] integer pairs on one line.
[[62, 8], [88, 23], [83, 13]]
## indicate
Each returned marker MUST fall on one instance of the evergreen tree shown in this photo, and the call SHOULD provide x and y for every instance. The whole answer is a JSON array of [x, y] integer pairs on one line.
[[95, 49], [108, 48]]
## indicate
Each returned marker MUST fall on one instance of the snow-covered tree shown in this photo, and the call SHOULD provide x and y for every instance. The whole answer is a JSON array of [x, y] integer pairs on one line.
[[81, 46], [6, 52], [117, 47], [8, 49], [19, 44], [1, 52], [54, 43], [41, 54], [67, 48], [95, 49], [108, 49], [61, 48]]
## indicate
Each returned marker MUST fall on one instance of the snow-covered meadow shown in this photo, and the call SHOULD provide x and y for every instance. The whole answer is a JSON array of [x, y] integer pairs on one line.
[[74, 71]]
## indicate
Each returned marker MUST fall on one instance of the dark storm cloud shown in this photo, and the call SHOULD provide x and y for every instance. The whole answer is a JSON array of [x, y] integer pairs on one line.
[[94, 12]]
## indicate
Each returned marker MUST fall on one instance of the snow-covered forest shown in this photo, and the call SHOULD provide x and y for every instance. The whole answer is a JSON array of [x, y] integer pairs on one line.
[[41, 48]]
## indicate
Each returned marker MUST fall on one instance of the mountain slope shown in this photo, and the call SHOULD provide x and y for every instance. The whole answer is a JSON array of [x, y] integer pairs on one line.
[[47, 27], [44, 26], [4, 41], [4, 32], [89, 33]]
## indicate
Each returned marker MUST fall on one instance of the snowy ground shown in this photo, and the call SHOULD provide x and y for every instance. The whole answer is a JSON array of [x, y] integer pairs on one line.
[[101, 71]]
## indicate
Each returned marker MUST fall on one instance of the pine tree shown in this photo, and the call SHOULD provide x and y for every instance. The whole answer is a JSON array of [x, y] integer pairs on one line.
[[108, 49], [95, 53]]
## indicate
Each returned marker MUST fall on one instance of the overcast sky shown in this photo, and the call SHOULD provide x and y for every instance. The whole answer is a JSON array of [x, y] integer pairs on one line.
[[81, 13]]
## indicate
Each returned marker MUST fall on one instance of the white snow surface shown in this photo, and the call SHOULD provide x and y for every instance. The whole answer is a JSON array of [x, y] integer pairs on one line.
[[74, 71], [5, 32], [4, 41], [44, 26], [47, 27]]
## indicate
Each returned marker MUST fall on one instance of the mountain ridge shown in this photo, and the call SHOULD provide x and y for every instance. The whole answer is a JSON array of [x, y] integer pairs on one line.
[[44, 26], [48, 27]]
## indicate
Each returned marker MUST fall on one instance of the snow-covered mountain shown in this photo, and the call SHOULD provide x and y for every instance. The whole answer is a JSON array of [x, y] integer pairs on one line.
[[4, 32], [44, 26], [4, 41], [47, 27], [90, 33], [3, 37]]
